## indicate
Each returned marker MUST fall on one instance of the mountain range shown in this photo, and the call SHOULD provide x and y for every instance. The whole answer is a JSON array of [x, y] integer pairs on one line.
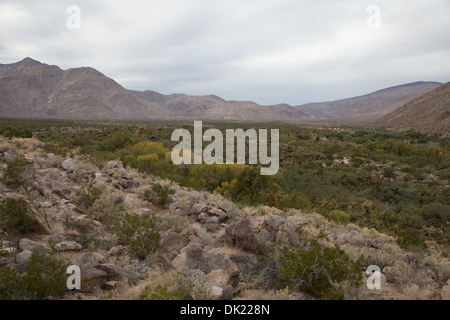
[[29, 88]]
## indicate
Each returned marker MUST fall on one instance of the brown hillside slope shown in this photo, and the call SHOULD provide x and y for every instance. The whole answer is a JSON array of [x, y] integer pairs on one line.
[[374, 105], [29, 88], [429, 113]]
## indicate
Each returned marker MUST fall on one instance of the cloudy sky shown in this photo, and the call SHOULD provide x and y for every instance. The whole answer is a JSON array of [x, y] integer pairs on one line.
[[268, 51]]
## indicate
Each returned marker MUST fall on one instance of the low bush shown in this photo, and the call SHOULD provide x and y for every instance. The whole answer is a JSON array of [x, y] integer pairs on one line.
[[18, 171], [88, 195], [44, 277], [311, 268], [138, 233], [160, 195], [16, 218]]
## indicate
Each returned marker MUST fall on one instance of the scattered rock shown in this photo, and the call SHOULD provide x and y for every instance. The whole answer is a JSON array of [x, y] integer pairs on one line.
[[114, 272], [219, 259], [128, 184], [192, 257], [91, 278], [70, 165], [68, 246], [224, 278], [23, 257], [172, 241], [253, 233], [215, 293], [118, 251], [27, 244]]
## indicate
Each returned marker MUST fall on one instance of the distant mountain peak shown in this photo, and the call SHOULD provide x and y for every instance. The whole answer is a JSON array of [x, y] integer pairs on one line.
[[29, 62]]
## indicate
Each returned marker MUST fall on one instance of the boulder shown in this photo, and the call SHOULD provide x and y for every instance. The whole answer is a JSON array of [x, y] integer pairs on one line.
[[219, 213], [23, 257], [254, 233], [192, 257], [128, 184], [27, 244], [68, 246], [92, 277], [198, 208], [219, 259], [118, 251], [172, 241], [215, 293], [60, 189], [101, 178], [287, 234], [70, 165], [224, 278], [114, 272]]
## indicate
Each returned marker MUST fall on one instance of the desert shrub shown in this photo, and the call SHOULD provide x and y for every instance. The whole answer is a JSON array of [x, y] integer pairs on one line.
[[16, 132], [44, 277], [106, 207], [10, 288], [388, 172], [410, 239], [18, 171], [311, 268], [160, 195], [88, 195], [80, 140], [139, 234], [118, 140], [339, 216], [15, 216]]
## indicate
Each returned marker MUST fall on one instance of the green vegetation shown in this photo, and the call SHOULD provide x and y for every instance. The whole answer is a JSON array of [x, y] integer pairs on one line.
[[138, 233], [311, 268], [17, 171], [394, 182], [44, 277], [88, 195], [159, 195], [16, 132], [15, 217]]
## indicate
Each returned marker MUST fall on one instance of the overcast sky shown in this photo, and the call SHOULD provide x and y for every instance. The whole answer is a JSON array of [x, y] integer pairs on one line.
[[267, 51]]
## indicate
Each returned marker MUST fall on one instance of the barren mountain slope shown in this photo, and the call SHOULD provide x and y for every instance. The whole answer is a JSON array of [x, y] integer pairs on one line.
[[429, 113], [374, 105]]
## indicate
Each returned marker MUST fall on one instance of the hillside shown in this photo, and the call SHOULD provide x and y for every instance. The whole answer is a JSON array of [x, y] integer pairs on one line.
[[373, 105], [429, 113], [194, 245], [211, 107], [32, 89]]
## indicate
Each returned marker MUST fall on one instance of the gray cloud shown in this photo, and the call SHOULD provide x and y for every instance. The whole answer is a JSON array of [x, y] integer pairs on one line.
[[262, 50]]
